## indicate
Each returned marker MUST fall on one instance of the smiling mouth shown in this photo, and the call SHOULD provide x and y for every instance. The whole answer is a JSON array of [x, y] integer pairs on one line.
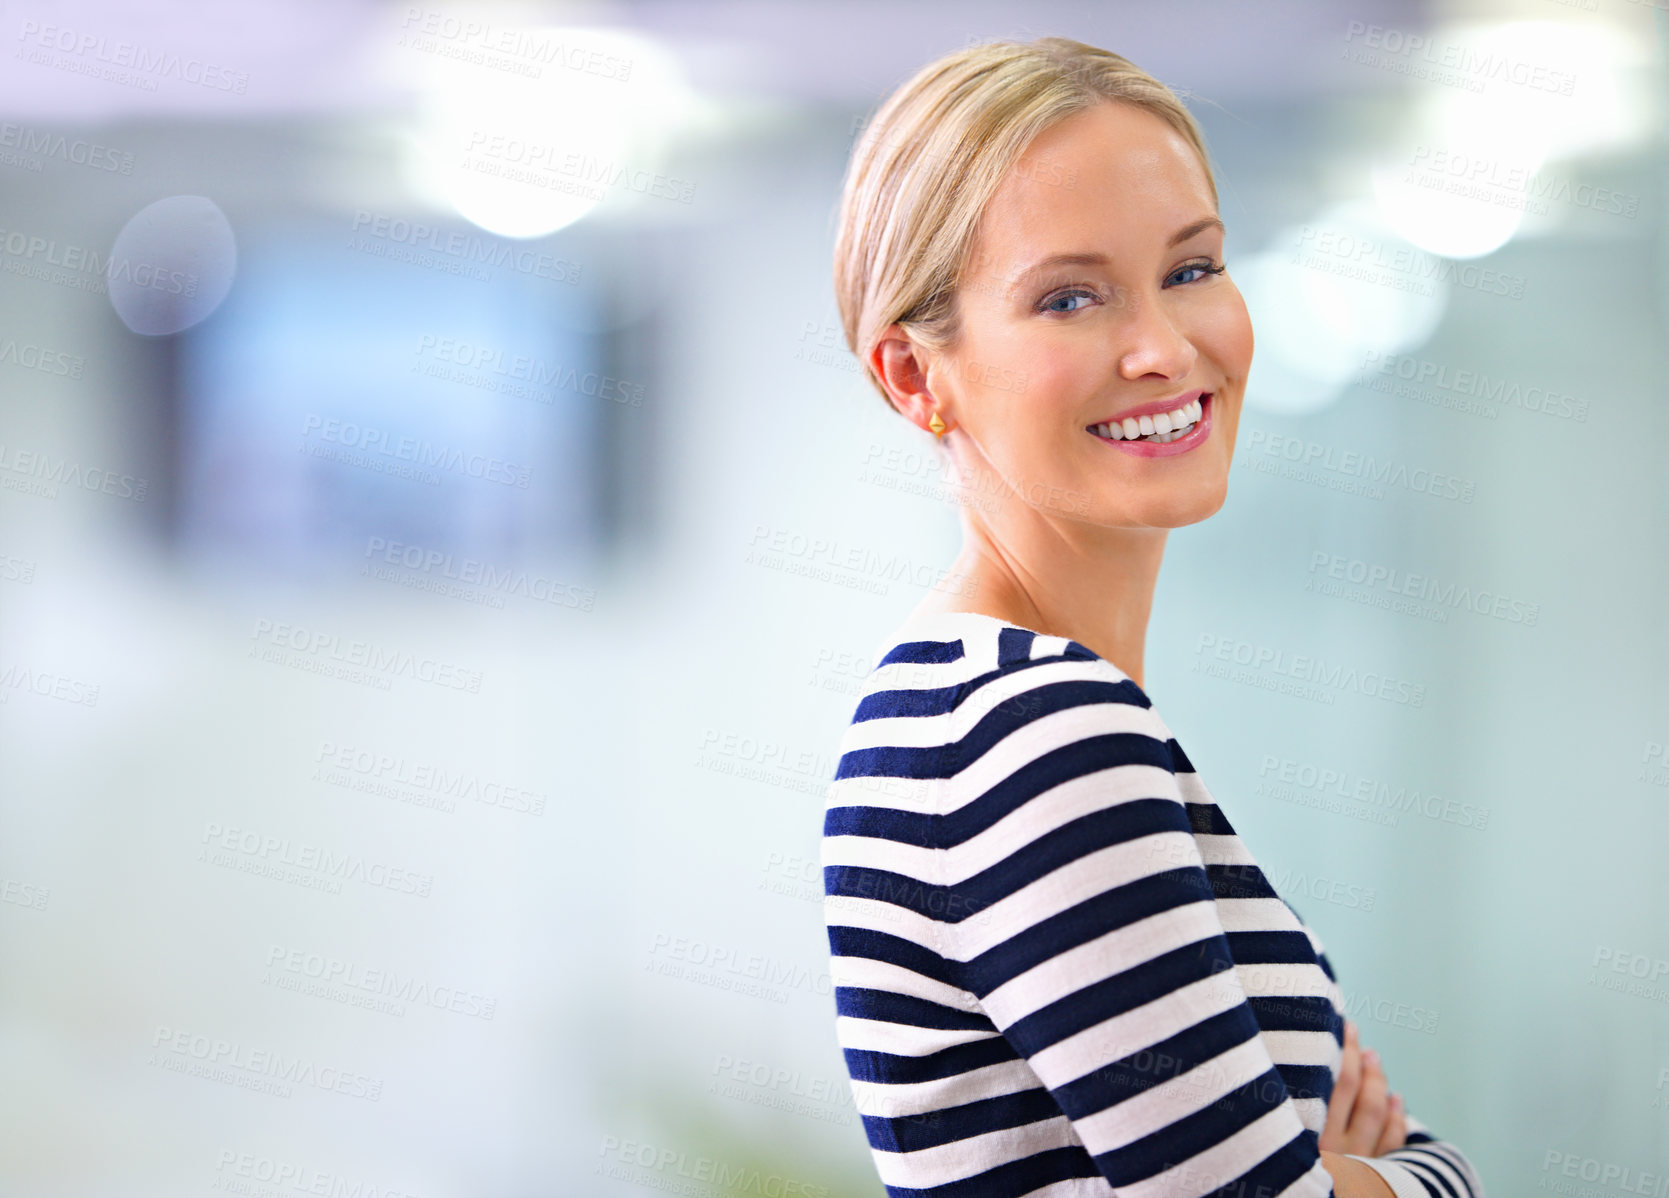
[[1158, 429]]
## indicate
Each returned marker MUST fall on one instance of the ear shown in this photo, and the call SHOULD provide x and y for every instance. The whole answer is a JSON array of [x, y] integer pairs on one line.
[[902, 366]]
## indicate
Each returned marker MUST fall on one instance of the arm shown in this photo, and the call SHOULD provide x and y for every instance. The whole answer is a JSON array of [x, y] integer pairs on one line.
[[1424, 1165], [1394, 1147], [1353, 1178], [1098, 952]]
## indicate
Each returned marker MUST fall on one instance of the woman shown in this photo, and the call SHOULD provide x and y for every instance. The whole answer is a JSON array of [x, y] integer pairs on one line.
[[1057, 968]]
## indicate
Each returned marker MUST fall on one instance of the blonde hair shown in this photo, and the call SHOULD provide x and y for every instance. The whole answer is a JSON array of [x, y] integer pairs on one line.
[[933, 155]]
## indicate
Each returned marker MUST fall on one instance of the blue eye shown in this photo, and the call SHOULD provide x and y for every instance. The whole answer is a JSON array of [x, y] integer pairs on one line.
[[1048, 305], [1204, 268]]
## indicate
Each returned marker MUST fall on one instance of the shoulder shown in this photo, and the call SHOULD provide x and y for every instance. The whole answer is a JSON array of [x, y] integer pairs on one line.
[[950, 689], [1055, 700]]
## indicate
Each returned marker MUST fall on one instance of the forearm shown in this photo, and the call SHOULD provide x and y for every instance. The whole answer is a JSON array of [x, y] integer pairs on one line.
[[1353, 1179]]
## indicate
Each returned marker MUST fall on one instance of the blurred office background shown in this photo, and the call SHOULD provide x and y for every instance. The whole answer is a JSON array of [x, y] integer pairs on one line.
[[442, 534]]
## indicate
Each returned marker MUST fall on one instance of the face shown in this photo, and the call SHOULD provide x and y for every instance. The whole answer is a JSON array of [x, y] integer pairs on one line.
[[1097, 291]]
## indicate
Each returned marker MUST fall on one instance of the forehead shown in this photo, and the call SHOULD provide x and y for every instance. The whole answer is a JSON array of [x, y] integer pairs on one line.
[[1114, 179]]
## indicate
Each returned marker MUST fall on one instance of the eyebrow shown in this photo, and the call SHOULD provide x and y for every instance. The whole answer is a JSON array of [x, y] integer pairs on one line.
[[1087, 259]]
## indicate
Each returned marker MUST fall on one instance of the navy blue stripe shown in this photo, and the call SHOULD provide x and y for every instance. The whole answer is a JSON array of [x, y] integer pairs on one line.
[[919, 702], [1277, 1171], [1004, 719], [912, 1133], [907, 1010], [906, 827], [1434, 1182], [1207, 819], [1089, 755], [1242, 881], [1203, 1129], [1296, 1013], [1152, 1066], [1095, 917], [893, 761], [868, 1065], [883, 946], [1444, 1153], [1053, 768], [1016, 1177], [1271, 948], [1089, 833], [1307, 1081], [945, 903], [1014, 644], [1099, 1001], [1072, 841]]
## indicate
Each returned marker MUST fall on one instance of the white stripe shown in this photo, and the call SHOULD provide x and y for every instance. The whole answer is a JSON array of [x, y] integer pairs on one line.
[[1127, 1034], [1076, 882], [1045, 734], [1056, 807], [1070, 971], [894, 1101], [1416, 1155], [1175, 1098], [903, 1039], [1222, 1163], [865, 973], [850, 911], [1401, 1181], [1223, 850], [1257, 915], [973, 1155], [914, 732], [895, 794], [874, 853], [1293, 1047]]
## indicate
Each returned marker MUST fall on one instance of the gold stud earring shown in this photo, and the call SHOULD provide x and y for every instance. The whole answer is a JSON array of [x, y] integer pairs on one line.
[[937, 425]]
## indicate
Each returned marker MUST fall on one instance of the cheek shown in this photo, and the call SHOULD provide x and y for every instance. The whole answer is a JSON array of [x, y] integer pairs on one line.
[[1225, 334]]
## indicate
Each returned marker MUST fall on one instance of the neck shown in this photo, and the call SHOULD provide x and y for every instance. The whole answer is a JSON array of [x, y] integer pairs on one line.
[[1094, 585]]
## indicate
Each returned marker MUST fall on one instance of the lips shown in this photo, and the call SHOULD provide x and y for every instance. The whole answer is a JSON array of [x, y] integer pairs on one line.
[[1193, 433], [1161, 427], [1152, 409]]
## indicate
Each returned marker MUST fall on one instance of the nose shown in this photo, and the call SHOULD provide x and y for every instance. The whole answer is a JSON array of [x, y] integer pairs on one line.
[[1153, 345]]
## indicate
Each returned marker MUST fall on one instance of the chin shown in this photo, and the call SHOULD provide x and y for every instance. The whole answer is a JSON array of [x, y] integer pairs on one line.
[[1173, 511]]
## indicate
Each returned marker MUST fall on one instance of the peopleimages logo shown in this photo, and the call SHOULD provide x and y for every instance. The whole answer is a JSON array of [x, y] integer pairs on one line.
[[1476, 384], [239, 1171], [466, 247], [1423, 587], [506, 581], [44, 144], [368, 440], [1383, 472], [1317, 671], [33, 256], [147, 65]]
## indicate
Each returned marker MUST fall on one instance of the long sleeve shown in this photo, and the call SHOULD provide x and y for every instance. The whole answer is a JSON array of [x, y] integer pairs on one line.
[[1425, 1166], [1057, 969], [1099, 951]]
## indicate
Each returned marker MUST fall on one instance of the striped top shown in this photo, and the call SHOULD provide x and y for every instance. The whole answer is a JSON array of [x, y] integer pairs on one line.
[[1057, 970]]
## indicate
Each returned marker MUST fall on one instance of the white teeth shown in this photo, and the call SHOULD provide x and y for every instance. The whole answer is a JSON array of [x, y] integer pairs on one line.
[[1161, 428]]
